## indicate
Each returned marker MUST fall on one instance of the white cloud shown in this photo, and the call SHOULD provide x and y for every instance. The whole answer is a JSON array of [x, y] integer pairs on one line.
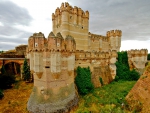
[[134, 44], [132, 17], [1, 24]]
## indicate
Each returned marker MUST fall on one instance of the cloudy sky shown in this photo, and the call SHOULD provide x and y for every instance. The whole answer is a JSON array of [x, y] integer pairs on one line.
[[19, 19]]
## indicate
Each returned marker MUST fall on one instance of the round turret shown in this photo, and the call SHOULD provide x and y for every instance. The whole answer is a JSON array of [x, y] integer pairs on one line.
[[79, 11], [75, 10], [30, 43], [59, 40], [87, 14], [39, 39], [70, 43], [51, 41]]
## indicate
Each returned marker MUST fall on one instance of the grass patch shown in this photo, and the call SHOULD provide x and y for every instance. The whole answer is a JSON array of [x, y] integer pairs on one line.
[[107, 99]]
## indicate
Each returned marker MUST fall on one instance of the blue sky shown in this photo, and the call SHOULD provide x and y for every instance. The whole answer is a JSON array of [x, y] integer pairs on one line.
[[19, 19]]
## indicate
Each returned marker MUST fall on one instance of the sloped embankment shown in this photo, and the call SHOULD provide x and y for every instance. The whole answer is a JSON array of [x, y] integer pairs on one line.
[[139, 96]]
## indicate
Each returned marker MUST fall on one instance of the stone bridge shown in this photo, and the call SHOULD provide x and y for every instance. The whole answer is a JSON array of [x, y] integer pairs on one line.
[[5, 59]]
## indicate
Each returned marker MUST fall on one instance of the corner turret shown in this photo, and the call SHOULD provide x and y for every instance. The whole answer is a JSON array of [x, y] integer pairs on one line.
[[114, 39]]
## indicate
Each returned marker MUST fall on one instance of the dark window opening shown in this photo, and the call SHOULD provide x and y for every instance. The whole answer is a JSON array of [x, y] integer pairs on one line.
[[47, 67]]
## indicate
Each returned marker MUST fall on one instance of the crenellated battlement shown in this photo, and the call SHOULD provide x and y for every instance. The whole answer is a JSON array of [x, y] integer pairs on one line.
[[98, 37], [137, 52], [72, 21], [137, 58], [65, 7], [38, 42], [114, 33], [85, 55]]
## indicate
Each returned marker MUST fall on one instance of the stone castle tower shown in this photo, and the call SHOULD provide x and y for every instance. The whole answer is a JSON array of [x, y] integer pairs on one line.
[[52, 61], [137, 59], [72, 21], [75, 22]]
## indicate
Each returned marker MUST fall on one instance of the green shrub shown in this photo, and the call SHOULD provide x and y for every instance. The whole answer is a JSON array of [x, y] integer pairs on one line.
[[101, 81], [123, 70], [1, 94], [6, 80], [26, 71], [83, 80], [148, 56]]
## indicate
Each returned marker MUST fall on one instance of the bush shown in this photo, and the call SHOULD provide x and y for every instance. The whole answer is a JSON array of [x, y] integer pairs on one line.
[[123, 71], [6, 80], [101, 81], [148, 56], [1, 94], [83, 80]]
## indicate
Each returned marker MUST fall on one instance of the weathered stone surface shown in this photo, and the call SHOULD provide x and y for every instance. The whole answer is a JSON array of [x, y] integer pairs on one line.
[[139, 96], [137, 59]]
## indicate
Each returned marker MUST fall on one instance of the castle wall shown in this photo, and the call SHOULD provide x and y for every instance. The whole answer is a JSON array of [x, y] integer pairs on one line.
[[53, 70], [54, 59], [102, 65], [137, 59]]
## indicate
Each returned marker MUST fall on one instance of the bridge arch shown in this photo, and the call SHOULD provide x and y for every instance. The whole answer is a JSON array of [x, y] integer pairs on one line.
[[20, 62]]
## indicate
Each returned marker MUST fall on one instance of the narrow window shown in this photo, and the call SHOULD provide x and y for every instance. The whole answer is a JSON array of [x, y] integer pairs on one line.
[[36, 44]]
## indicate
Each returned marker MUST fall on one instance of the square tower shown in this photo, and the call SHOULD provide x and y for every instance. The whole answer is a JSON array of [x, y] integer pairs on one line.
[[72, 21]]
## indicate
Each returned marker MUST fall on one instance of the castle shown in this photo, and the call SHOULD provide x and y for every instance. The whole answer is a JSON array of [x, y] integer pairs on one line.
[[53, 60], [75, 22]]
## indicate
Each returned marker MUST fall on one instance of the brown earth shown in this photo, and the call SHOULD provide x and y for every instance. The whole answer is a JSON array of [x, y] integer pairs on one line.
[[139, 96], [15, 99]]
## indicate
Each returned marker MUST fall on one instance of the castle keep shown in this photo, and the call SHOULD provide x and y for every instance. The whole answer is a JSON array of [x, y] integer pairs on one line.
[[53, 60], [75, 22]]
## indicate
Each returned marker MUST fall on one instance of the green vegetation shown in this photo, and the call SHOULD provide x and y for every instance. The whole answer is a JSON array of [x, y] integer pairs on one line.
[[1, 94], [107, 99], [148, 56], [6, 79], [1, 51], [101, 81], [123, 70], [26, 71], [83, 80]]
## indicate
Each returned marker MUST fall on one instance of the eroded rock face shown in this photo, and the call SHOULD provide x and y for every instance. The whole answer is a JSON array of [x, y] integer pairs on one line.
[[139, 96]]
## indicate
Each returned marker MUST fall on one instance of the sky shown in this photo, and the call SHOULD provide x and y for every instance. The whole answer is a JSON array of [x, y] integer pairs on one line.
[[19, 19]]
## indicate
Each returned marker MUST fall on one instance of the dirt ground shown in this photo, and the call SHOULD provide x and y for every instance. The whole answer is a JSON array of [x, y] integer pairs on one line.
[[15, 99]]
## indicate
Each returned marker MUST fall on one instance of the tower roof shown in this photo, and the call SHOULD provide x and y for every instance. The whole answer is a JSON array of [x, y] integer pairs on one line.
[[58, 35], [51, 34]]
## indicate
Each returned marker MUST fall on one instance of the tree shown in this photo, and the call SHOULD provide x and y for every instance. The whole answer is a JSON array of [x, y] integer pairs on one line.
[[3, 71], [148, 56], [6, 79], [123, 71], [26, 71], [83, 80]]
